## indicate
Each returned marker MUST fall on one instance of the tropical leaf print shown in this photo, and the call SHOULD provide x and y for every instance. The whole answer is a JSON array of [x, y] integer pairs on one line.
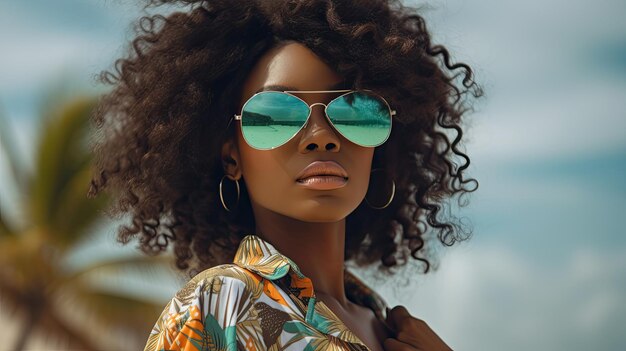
[[261, 301]]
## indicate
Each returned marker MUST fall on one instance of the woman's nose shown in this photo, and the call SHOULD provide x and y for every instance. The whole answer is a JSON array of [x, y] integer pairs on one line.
[[317, 132]]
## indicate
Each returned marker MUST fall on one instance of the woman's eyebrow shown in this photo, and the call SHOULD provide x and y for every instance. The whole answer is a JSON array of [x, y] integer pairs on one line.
[[278, 87]]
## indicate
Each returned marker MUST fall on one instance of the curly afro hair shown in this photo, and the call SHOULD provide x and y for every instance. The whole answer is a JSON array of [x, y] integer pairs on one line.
[[159, 130]]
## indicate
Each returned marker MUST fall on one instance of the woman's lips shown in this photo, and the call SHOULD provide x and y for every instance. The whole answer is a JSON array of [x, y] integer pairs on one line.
[[323, 182], [323, 175]]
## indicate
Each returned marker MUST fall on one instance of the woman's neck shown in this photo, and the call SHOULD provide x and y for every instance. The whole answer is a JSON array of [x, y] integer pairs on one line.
[[317, 249]]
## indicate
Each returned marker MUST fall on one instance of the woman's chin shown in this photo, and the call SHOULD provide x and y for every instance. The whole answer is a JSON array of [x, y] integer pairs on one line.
[[321, 209]]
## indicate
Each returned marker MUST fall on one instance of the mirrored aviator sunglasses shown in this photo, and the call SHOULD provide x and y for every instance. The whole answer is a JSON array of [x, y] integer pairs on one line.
[[270, 119]]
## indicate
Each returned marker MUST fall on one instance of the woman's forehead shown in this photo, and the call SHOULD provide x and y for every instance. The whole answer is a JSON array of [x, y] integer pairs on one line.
[[293, 66]]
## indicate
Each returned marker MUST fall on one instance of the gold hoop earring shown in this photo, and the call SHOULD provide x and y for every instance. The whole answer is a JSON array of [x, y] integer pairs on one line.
[[222, 196], [393, 192]]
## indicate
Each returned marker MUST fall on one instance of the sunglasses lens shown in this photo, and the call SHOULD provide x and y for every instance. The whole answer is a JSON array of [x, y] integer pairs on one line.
[[362, 117], [269, 119]]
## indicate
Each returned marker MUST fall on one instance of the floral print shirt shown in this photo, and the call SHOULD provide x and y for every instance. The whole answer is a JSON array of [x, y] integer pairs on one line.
[[261, 301]]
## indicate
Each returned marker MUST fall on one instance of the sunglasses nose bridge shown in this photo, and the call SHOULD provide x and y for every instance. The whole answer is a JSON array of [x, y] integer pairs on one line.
[[311, 111]]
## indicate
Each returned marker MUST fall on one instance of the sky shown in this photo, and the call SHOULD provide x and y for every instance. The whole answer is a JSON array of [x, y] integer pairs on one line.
[[545, 268]]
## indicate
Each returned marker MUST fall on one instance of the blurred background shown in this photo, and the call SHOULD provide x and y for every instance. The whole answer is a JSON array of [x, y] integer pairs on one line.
[[544, 270]]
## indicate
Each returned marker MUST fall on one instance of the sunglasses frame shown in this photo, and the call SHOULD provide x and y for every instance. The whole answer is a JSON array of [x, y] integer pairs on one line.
[[346, 92]]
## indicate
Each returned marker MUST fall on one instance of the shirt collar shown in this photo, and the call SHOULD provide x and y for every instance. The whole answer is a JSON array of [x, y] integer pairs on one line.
[[263, 258]]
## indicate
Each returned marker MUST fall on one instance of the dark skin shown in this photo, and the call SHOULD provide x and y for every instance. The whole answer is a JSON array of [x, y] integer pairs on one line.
[[291, 217]]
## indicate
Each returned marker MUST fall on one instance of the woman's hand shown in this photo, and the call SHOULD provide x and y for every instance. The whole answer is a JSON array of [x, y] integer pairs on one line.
[[411, 333]]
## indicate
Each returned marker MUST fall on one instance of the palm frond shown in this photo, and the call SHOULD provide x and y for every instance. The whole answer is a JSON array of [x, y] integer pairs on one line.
[[144, 264], [5, 229], [8, 145], [60, 215], [62, 162], [76, 215], [116, 308]]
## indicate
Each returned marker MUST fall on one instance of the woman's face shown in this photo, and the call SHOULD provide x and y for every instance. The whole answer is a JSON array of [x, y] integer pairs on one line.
[[271, 176]]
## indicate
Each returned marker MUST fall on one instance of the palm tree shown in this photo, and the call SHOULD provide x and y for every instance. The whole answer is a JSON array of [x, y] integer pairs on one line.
[[36, 279]]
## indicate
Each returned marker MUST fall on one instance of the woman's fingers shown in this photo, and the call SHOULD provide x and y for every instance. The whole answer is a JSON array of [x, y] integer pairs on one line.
[[412, 332], [396, 315], [404, 325]]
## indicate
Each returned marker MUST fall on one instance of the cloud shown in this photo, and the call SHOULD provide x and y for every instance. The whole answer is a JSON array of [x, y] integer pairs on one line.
[[586, 120], [41, 44], [549, 90], [493, 297]]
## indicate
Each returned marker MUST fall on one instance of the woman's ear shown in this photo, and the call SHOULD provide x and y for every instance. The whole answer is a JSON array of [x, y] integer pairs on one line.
[[230, 159]]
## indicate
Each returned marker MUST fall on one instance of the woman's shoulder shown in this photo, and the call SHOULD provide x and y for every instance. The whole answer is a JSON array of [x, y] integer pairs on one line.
[[362, 294], [207, 307]]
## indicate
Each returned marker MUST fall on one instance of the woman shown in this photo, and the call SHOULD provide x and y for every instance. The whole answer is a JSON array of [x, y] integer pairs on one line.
[[270, 142]]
